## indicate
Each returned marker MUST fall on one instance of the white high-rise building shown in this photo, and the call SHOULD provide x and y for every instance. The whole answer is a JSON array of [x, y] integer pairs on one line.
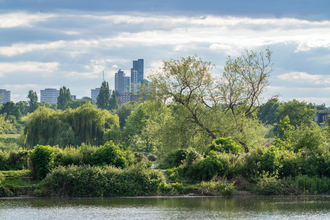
[[95, 93], [4, 96], [49, 95]]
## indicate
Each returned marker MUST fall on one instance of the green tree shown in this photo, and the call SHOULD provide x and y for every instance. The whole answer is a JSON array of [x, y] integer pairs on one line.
[[9, 108], [86, 124], [188, 84], [113, 101], [63, 98], [124, 111], [320, 107], [77, 103], [23, 107], [268, 112], [103, 99], [33, 101], [298, 112], [87, 98]]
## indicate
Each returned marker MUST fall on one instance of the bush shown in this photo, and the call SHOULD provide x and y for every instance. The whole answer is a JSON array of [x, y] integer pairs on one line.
[[173, 159], [42, 158], [270, 161], [252, 163], [107, 181], [227, 145], [312, 184], [206, 168], [16, 159], [109, 154], [1, 177], [269, 185], [217, 188]]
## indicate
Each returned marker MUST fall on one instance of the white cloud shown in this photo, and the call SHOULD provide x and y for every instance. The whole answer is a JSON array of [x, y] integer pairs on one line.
[[305, 80], [115, 66], [186, 33], [312, 42], [10, 20], [29, 66]]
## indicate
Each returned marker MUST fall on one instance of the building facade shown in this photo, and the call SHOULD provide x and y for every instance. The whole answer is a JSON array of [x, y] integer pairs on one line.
[[137, 74], [122, 83], [94, 94], [122, 99], [321, 117], [4, 96], [49, 95]]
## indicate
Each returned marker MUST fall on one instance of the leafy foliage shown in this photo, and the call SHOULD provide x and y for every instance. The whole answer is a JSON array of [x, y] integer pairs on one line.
[[107, 181], [103, 99], [227, 145], [42, 159], [64, 98], [109, 154], [33, 101], [86, 124]]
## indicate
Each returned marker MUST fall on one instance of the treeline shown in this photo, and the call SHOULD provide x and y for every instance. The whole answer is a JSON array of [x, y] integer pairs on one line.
[[199, 127]]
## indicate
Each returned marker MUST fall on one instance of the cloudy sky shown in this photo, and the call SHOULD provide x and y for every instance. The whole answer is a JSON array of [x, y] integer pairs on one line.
[[54, 43]]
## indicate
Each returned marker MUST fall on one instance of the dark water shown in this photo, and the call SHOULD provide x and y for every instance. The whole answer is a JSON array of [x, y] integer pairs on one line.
[[309, 207]]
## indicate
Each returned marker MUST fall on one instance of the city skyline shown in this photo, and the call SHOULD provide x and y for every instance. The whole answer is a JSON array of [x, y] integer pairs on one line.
[[50, 44]]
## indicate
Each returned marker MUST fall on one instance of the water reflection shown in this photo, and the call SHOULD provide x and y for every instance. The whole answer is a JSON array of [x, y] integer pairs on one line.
[[310, 207]]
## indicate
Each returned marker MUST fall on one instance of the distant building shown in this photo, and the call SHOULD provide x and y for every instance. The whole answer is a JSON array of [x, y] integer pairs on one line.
[[321, 117], [74, 97], [95, 93], [49, 95], [122, 83], [122, 99], [137, 74], [4, 96]]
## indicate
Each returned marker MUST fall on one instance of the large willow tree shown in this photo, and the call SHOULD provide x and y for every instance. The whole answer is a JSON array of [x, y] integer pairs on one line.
[[218, 106], [86, 124]]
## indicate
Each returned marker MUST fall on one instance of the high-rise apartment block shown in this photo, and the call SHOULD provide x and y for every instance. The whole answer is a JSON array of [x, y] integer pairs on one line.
[[137, 74], [4, 96], [122, 83], [49, 95]]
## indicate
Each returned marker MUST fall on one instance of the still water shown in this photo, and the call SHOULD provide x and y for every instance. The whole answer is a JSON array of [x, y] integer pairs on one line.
[[307, 207]]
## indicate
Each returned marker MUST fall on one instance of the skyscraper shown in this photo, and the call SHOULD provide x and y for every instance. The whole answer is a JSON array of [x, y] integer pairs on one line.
[[122, 82], [137, 74], [4, 96], [49, 95]]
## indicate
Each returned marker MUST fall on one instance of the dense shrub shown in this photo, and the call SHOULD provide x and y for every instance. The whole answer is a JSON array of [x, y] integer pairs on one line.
[[16, 159], [269, 185], [42, 158], [270, 161], [1, 177], [217, 188], [173, 159], [109, 154], [227, 145], [206, 168], [312, 184], [252, 163], [107, 181]]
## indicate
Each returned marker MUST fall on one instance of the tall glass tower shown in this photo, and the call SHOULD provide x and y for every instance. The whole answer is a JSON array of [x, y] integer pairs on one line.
[[137, 74]]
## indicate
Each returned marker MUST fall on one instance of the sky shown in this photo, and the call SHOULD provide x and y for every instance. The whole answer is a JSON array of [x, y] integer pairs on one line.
[[55, 43]]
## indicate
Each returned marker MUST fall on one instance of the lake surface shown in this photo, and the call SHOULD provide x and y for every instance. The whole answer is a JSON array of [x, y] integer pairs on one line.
[[301, 207]]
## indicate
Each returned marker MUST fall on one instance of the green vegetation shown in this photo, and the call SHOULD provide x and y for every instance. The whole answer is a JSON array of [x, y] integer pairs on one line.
[[212, 135]]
